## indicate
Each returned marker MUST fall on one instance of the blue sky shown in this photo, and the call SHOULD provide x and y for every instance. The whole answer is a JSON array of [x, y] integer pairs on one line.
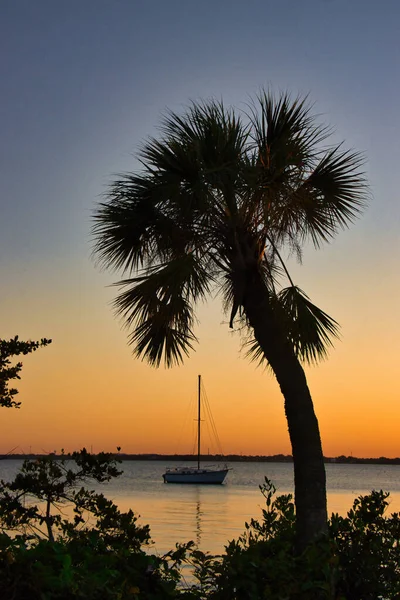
[[85, 81]]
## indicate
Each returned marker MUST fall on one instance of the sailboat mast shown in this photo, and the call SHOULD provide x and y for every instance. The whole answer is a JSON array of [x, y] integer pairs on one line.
[[198, 424]]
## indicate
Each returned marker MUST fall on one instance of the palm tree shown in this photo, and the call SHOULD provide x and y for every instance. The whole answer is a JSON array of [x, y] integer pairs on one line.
[[220, 197]]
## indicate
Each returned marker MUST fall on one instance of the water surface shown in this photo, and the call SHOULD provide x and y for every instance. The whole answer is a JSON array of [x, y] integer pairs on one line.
[[212, 515]]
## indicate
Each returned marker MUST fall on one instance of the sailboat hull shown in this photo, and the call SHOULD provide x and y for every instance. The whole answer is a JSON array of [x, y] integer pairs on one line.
[[210, 474], [187, 475]]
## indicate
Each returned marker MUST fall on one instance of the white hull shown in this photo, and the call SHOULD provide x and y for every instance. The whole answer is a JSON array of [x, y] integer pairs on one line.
[[188, 475], [210, 474]]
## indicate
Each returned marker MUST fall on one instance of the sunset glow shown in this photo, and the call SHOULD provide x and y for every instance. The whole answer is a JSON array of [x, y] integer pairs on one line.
[[74, 114]]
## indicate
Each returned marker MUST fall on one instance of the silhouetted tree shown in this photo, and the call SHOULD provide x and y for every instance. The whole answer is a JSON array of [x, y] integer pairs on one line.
[[220, 196], [9, 349]]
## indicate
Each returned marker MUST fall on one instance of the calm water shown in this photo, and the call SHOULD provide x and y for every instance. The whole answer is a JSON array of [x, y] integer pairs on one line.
[[212, 515]]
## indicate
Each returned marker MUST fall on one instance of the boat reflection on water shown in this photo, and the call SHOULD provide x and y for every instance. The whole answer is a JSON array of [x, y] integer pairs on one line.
[[198, 515], [193, 513], [197, 518]]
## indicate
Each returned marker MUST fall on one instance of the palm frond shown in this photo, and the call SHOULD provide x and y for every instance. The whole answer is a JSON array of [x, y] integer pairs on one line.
[[310, 329], [304, 190], [254, 352], [159, 337], [285, 133], [158, 306], [232, 285], [143, 221], [205, 145], [332, 196], [232, 289]]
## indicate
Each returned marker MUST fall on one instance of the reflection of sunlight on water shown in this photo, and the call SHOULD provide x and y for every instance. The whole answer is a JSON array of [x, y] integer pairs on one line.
[[213, 515], [193, 514], [211, 522]]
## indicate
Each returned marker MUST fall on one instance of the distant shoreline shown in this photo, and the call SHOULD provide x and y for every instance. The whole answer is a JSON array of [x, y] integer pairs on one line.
[[276, 458]]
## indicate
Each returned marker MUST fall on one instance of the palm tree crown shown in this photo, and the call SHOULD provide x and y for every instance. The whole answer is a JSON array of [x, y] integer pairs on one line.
[[221, 195]]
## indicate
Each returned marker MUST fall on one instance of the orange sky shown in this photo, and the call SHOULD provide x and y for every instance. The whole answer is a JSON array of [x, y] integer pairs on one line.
[[84, 89], [87, 390]]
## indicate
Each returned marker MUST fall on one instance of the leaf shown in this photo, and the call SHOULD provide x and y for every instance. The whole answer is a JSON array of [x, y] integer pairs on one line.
[[159, 306], [309, 328]]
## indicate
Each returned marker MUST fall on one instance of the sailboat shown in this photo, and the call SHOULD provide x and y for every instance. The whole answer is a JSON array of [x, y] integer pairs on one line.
[[197, 474]]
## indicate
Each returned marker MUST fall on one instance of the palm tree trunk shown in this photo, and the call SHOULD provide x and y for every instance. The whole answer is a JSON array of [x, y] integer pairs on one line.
[[309, 469]]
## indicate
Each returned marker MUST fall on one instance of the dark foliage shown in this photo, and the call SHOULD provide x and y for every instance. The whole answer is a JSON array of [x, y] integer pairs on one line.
[[358, 560], [96, 554], [100, 553], [9, 349]]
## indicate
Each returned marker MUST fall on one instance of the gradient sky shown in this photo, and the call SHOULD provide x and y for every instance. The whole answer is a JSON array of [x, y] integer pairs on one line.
[[83, 84]]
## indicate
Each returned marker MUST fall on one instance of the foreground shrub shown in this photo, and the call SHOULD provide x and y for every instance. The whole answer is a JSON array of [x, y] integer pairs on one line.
[[358, 560], [98, 554], [367, 546], [92, 570], [103, 554]]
